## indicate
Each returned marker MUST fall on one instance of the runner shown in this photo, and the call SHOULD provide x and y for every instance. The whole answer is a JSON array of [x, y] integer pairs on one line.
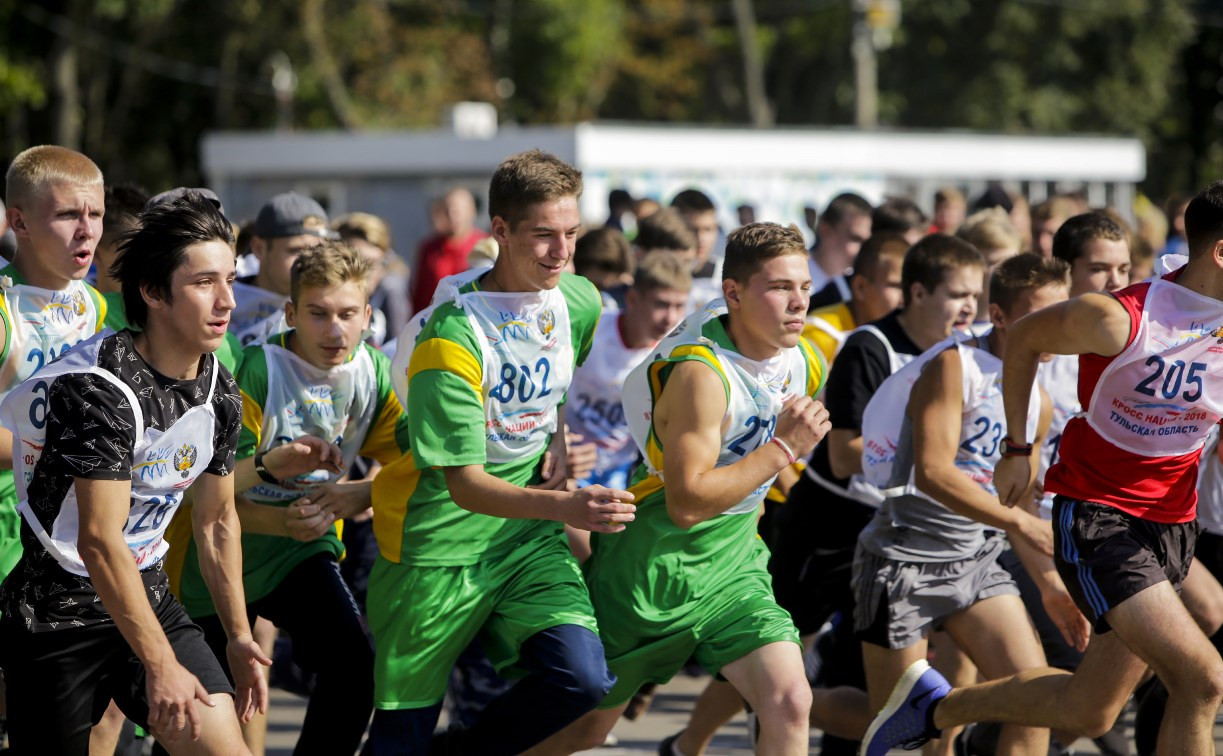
[[469, 523], [55, 208], [317, 379], [816, 533], [1124, 532], [128, 421], [929, 558], [724, 404]]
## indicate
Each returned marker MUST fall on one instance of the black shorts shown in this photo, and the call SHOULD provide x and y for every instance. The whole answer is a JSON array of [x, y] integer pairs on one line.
[[1105, 556], [814, 538], [59, 683]]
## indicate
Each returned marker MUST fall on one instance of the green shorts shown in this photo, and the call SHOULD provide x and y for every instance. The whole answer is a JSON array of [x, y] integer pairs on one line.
[[423, 617], [720, 633], [10, 527]]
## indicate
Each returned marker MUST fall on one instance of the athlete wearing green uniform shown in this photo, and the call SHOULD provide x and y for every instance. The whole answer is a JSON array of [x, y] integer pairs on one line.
[[316, 381], [466, 549], [718, 410], [46, 307]]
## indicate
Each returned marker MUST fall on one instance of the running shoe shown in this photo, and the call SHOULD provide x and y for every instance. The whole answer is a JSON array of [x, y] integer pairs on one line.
[[906, 720]]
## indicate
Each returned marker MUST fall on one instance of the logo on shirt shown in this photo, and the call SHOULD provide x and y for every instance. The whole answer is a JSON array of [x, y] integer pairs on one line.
[[156, 463], [65, 306], [514, 326], [546, 322], [184, 459]]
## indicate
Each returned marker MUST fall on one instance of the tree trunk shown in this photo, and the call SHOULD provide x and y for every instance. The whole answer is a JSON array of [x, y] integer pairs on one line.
[[760, 112]]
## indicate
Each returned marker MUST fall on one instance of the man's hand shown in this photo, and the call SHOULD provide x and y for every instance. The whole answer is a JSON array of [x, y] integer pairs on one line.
[[1035, 532], [341, 500], [599, 509], [1012, 476], [307, 522], [246, 662], [582, 457], [555, 468], [801, 424], [1065, 614], [302, 455], [172, 692]]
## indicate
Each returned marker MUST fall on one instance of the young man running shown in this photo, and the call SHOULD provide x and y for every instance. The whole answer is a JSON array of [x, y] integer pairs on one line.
[[469, 523], [317, 379], [723, 405], [1151, 386], [55, 208], [931, 436], [108, 439]]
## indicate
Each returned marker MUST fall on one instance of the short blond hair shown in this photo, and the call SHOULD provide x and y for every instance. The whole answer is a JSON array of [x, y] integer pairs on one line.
[[37, 168], [662, 270], [365, 226], [332, 263], [990, 229]]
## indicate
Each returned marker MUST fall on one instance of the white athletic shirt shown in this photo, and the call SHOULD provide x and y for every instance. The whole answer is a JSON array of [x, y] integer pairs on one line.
[[165, 462], [527, 355], [1160, 396], [595, 407], [910, 525], [337, 405], [756, 388], [43, 324], [1210, 486]]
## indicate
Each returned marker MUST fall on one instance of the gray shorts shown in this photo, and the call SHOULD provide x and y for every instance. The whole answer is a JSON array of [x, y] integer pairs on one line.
[[897, 603]]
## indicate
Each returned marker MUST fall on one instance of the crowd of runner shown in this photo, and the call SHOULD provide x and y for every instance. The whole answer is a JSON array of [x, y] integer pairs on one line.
[[950, 480]]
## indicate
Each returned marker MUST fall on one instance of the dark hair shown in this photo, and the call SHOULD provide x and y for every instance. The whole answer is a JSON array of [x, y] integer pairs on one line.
[[1025, 271], [150, 253], [666, 230], [692, 201], [845, 205], [124, 203], [602, 250], [875, 249], [1204, 220], [1072, 236], [619, 201], [530, 178], [749, 247], [899, 214], [930, 260]]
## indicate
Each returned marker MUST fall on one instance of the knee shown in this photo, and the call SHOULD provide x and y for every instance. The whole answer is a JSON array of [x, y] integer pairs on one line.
[[588, 733], [788, 706], [573, 660], [1196, 684], [1094, 722]]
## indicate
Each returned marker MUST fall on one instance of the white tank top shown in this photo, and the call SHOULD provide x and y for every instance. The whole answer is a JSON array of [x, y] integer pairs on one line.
[[44, 323], [757, 390], [164, 463], [337, 405], [1161, 395], [595, 406], [527, 360], [1059, 377], [1210, 486]]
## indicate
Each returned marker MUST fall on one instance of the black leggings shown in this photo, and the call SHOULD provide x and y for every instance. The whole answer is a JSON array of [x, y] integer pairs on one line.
[[314, 606]]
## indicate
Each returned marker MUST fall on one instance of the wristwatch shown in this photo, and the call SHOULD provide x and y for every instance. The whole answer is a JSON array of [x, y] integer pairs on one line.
[[263, 471]]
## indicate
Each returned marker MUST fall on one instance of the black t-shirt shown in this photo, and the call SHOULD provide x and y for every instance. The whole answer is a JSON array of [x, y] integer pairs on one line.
[[860, 368], [90, 434]]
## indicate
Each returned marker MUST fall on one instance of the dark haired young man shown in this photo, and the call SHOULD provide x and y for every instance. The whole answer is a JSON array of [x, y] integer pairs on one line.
[[1151, 386], [840, 232], [108, 438], [1097, 249], [721, 407], [469, 522]]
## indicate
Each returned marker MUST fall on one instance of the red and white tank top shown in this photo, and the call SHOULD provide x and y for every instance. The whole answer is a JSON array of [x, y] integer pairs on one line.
[[1148, 410]]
